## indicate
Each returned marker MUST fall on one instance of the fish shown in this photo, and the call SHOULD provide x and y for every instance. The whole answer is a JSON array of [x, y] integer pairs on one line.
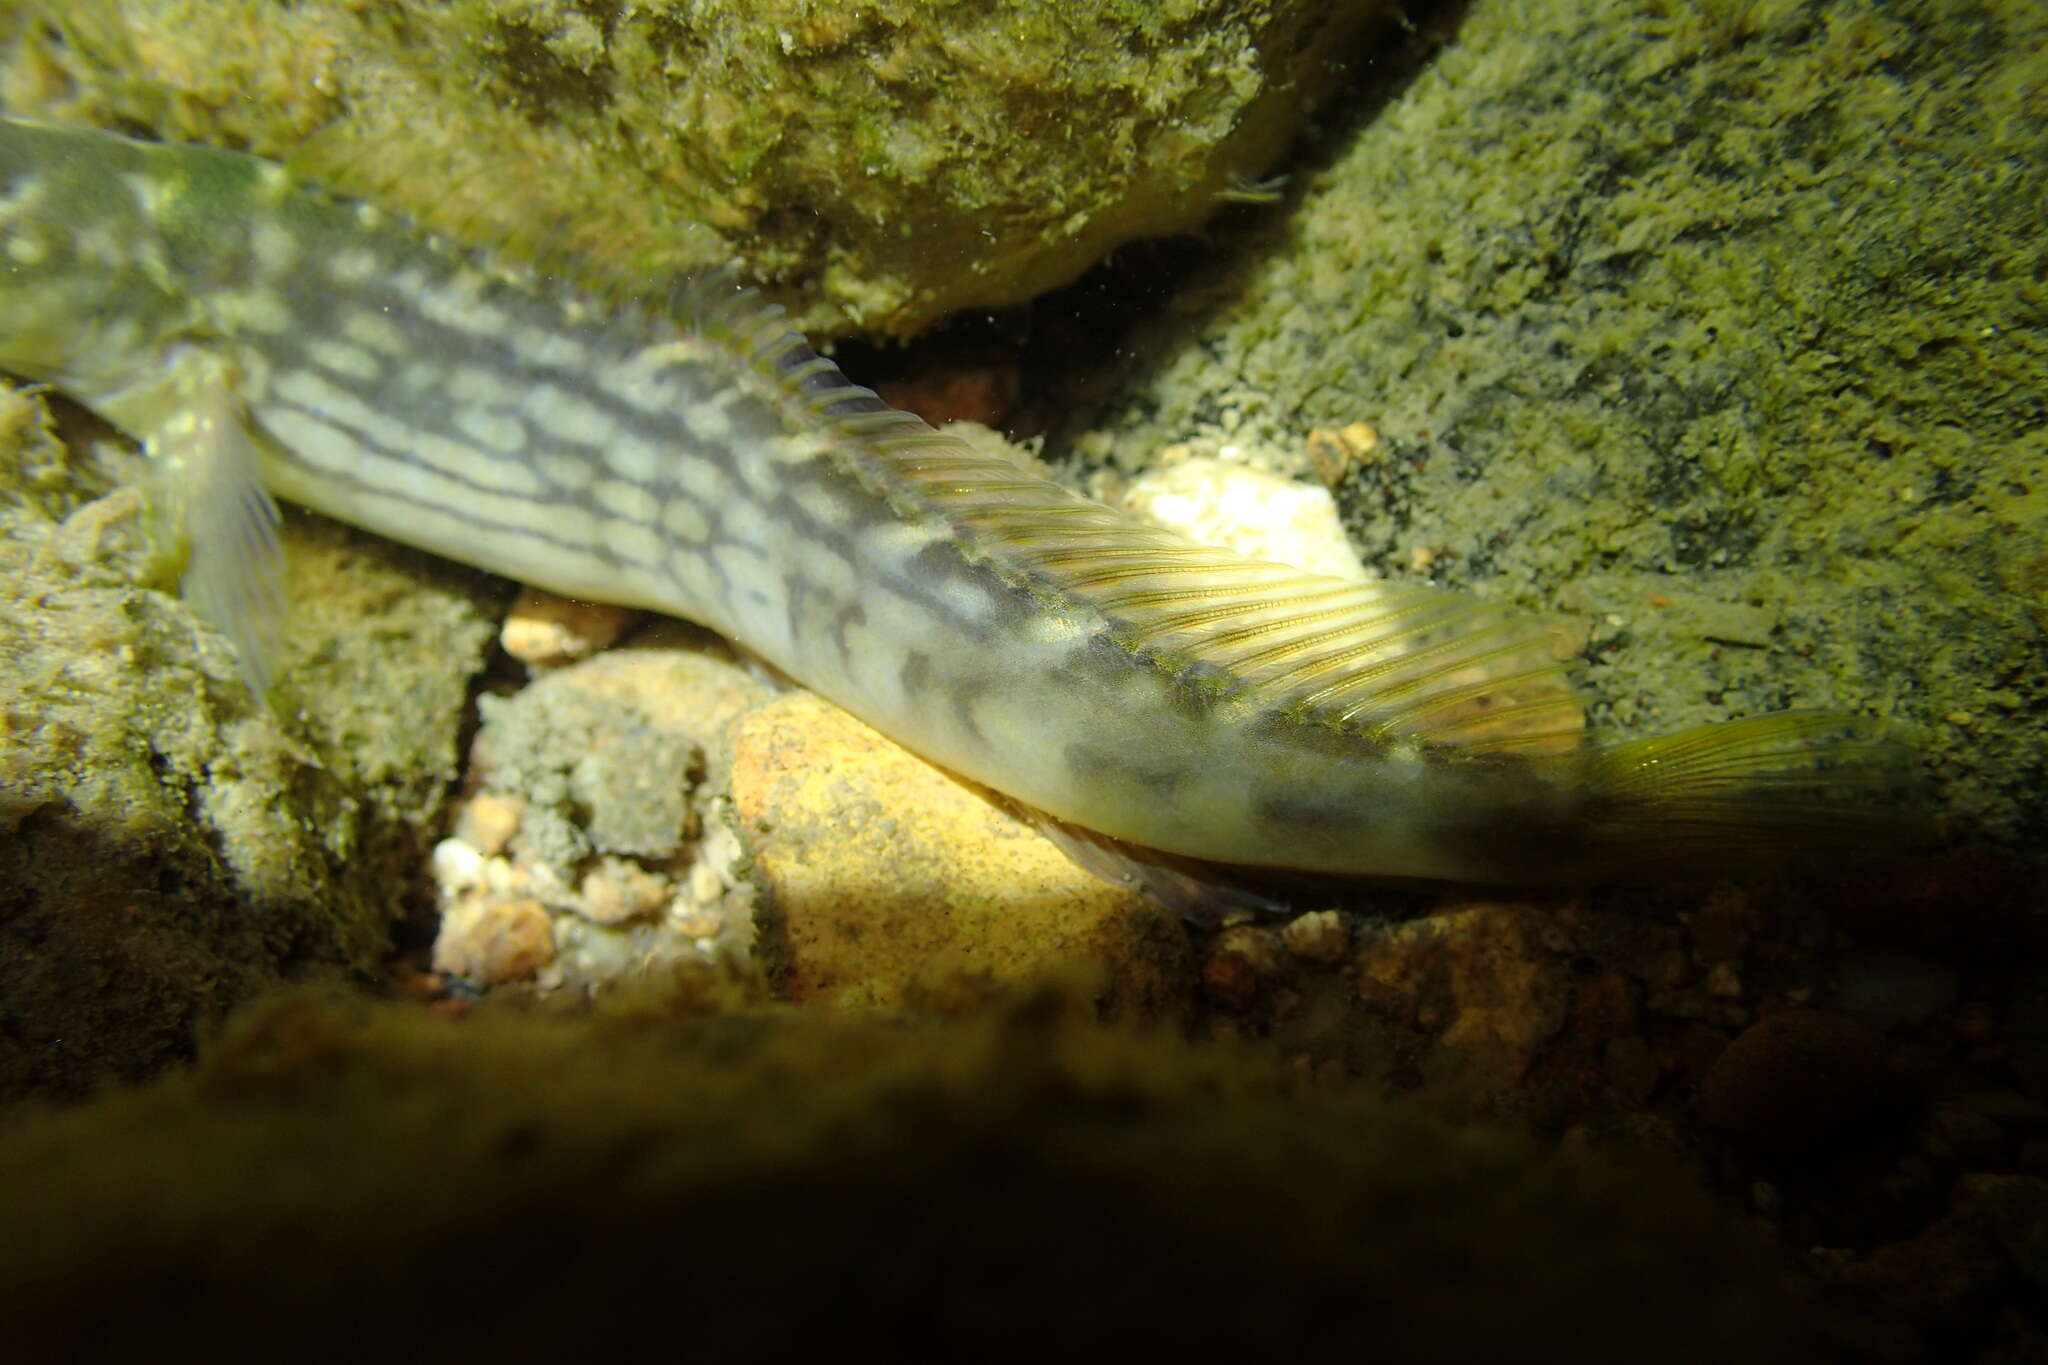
[[680, 448]]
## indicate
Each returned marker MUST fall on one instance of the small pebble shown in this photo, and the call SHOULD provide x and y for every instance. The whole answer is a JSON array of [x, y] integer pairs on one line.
[[546, 630], [617, 890], [457, 866], [488, 822], [1320, 936], [1242, 959], [491, 944], [1334, 454]]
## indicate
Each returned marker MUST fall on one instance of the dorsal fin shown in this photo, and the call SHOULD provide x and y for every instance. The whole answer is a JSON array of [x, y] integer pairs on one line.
[[1395, 662]]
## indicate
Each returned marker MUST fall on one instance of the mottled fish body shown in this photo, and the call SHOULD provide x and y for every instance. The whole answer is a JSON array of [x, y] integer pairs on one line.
[[693, 455]]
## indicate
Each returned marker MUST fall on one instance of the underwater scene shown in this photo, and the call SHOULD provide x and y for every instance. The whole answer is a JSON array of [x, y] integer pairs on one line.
[[1008, 677]]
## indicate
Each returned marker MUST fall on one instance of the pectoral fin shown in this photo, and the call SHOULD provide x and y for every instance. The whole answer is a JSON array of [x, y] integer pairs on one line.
[[211, 510]]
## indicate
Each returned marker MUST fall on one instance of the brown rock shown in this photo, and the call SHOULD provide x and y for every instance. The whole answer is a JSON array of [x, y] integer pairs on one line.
[[1239, 963], [1795, 1080], [883, 877], [1479, 975], [493, 944]]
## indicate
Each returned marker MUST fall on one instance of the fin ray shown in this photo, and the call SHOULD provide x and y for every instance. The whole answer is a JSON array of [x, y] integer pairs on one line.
[[1769, 783]]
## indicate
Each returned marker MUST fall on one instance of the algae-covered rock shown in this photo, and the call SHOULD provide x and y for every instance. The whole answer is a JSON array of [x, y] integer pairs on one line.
[[596, 828], [172, 846], [885, 164], [1720, 325]]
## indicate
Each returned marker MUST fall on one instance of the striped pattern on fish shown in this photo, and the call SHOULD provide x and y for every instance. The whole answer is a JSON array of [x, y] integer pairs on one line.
[[692, 455]]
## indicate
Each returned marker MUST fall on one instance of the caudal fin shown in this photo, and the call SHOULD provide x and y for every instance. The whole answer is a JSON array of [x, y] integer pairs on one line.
[[1770, 787]]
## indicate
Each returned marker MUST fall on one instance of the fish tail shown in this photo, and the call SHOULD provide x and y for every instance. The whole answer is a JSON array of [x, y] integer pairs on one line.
[[1769, 788]]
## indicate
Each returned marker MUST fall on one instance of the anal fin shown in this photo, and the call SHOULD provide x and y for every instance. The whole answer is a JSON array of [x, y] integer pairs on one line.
[[1199, 892]]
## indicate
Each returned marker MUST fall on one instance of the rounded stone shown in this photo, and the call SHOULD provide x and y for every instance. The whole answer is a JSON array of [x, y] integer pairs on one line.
[[1795, 1080]]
